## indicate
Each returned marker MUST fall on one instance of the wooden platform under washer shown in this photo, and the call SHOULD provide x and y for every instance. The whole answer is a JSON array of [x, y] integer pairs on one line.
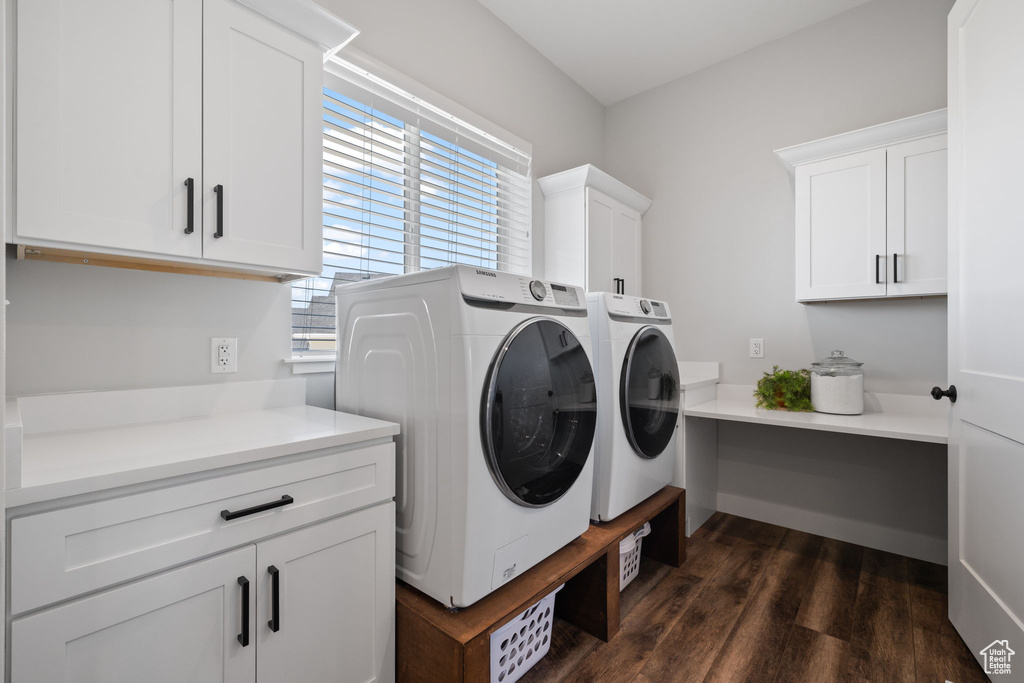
[[435, 645]]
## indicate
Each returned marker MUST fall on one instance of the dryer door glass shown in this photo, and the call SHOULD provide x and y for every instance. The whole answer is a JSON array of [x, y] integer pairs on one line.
[[649, 392], [539, 412]]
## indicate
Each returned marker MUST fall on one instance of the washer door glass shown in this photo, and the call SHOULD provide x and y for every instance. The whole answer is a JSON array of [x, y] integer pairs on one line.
[[649, 392], [539, 412]]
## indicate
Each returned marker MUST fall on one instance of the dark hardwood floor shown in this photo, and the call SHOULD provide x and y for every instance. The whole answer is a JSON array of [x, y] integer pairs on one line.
[[758, 602]]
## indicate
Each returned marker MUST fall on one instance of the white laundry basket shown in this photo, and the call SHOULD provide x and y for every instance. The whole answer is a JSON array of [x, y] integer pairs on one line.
[[519, 644], [629, 555]]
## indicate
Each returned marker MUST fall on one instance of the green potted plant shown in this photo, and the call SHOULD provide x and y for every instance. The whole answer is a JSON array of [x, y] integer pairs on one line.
[[784, 390]]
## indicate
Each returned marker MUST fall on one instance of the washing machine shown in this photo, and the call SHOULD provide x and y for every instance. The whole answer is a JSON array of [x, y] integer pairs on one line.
[[638, 400], [489, 375]]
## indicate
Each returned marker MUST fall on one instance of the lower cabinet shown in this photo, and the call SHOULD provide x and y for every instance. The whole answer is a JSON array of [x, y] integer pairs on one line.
[[335, 599], [178, 626], [314, 604]]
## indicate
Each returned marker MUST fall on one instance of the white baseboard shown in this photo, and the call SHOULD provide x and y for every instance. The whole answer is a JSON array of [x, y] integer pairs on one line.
[[869, 535]]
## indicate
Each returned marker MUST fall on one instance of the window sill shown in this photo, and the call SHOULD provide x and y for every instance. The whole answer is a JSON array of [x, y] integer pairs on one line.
[[305, 365]]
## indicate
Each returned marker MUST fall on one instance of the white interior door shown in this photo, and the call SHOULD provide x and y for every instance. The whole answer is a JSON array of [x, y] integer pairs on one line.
[[262, 142], [840, 227], [109, 123], [917, 180], [335, 598], [179, 626], [986, 448]]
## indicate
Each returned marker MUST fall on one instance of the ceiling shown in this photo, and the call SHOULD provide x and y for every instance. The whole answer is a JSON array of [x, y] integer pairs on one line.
[[617, 48]]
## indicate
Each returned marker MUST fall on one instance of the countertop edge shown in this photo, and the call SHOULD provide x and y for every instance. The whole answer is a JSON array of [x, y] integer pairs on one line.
[[710, 409], [686, 383], [93, 484]]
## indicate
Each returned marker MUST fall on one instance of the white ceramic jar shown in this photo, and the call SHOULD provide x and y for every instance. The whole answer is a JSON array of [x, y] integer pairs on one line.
[[837, 385]]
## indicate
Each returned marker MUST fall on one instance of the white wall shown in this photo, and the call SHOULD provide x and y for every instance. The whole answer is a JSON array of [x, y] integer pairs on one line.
[[719, 246], [77, 327], [719, 238], [73, 328]]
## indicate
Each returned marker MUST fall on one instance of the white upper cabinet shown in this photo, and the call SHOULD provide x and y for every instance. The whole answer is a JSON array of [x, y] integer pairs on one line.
[[130, 113], [840, 227], [592, 231], [109, 123], [916, 227], [871, 211], [262, 149]]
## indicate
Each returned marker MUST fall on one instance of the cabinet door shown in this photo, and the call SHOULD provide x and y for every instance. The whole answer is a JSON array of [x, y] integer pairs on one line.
[[600, 224], [109, 123], [179, 626], [262, 100], [335, 600], [613, 245], [916, 231], [840, 228], [625, 249]]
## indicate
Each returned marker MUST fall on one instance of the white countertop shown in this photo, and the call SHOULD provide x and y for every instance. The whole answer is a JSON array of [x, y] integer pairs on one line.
[[893, 416], [66, 462]]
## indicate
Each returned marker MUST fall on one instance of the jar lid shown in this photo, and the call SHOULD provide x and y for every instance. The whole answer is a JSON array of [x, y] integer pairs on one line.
[[837, 360]]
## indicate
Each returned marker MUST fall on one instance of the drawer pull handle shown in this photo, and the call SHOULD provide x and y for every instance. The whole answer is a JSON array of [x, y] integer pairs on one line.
[[228, 515], [275, 598], [243, 637]]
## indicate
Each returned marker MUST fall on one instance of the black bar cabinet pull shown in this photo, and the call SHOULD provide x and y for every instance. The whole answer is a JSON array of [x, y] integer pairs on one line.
[[878, 258], [190, 221], [622, 283], [938, 393], [275, 598], [894, 278], [243, 637], [219, 189], [228, 515]]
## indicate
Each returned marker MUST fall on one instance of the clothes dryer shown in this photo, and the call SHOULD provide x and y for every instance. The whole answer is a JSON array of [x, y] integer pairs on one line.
[[638, 400], [489, 375]]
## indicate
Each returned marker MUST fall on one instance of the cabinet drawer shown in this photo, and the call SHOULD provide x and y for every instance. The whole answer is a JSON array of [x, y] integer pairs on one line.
[[63, 553]]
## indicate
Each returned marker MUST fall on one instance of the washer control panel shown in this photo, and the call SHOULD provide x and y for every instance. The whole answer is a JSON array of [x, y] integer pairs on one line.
[[489, 285], [620, 305]]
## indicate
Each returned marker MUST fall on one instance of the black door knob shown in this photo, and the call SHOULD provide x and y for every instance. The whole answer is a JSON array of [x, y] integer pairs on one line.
[[938, 393]]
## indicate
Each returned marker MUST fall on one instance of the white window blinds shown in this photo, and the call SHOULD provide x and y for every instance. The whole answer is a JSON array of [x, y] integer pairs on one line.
[[407, 187]]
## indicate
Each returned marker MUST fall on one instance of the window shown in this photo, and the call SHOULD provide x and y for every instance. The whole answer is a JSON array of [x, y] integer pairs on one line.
[[407, 187]]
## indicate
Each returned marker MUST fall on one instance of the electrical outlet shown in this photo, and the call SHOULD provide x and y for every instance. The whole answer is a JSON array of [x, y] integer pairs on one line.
[[757, 348], [223, 354]]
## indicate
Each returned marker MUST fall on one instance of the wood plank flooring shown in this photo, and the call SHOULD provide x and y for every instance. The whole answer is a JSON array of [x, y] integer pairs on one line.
[[758, 602]]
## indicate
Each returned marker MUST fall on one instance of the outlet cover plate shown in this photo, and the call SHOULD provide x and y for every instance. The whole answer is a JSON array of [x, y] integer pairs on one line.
[[223, 354], [757, 348]]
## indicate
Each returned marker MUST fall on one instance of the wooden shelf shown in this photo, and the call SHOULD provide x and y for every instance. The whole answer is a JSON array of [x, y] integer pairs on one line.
[[436, 645]]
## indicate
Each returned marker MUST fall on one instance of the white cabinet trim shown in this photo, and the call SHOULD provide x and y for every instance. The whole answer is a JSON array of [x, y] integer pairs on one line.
[[309, 20], [591, 176], [873, 137]]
